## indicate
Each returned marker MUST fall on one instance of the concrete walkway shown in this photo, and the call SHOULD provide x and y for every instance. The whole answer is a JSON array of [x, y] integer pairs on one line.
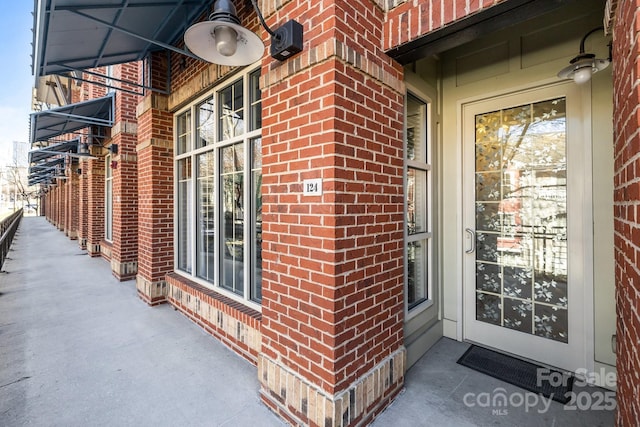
[[79, 348]]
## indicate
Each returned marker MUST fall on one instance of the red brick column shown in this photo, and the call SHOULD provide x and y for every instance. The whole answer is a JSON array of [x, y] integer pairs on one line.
[[53, 205], [155, 198], [66, 220], [62, 204], [71, 227], [332, 348], [95, 205], [83, 208], [124, 248], [626, 54]]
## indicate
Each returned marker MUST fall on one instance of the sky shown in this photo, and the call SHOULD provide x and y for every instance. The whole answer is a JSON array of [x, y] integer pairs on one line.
[[16, 22]]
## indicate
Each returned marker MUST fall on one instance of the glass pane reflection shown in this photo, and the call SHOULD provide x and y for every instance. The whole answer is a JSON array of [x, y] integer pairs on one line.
[[232, 238], [521, 219], [206, 216]]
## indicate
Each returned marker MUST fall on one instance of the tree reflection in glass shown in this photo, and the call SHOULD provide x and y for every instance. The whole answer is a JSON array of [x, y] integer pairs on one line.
[[521, 218]]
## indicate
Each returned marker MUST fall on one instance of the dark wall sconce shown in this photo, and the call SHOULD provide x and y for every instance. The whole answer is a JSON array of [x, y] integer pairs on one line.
[[113, 149], [83, 148], [79, 171]]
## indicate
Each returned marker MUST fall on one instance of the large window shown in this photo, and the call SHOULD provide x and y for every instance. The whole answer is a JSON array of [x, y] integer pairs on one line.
[[418, 212], [108, 200], [219, 210]]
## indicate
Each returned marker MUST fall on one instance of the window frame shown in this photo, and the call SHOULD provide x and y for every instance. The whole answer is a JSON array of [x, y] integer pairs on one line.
[[427, 236], [108, 199], [195, 151]]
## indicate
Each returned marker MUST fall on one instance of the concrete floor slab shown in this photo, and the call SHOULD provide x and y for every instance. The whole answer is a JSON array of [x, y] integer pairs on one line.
[[439, 392], [79, 348]]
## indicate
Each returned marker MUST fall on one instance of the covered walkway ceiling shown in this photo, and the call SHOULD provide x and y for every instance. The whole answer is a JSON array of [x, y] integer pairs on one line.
[[78, 35]]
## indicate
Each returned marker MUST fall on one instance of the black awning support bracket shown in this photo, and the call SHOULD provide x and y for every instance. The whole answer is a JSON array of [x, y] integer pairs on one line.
[[91, 121], [108, 86]]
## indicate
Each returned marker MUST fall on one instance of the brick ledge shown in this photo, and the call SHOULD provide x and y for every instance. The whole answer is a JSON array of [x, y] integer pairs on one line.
[[301, 403], [234, 324]]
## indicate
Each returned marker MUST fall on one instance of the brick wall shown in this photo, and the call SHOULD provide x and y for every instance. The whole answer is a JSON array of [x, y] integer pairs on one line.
[[92, 91], [333, 273], [83, 207], [62, 204], [155, 200], [95, 205], [49, 202], [71, 229], [52, 200], [626, 54], [124, 247], [66, 221], [408, 20], [234, 324]]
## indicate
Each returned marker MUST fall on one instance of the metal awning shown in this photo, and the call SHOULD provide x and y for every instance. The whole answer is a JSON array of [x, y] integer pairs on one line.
[[70, 118], [46, 166], [45, 170], [37, 156], [83, 34]]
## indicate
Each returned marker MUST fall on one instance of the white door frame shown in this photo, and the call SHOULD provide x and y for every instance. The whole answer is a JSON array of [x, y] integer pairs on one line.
[[580, 235]]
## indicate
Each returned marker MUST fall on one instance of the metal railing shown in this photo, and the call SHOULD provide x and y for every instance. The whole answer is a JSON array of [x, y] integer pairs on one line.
[[8, 227]]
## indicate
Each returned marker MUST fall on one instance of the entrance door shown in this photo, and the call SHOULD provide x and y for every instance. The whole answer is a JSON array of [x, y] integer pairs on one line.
[[527, 216]]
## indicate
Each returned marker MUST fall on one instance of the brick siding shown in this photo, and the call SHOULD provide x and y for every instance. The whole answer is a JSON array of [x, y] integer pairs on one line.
[[333, 273], [95, 205], [626, 56], [408, 20], [71, 228], [233, 323], [155, 198], [83, 207], [329, 341]]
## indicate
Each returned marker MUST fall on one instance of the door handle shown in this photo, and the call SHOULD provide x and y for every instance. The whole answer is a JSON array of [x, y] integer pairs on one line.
[[472, 236]]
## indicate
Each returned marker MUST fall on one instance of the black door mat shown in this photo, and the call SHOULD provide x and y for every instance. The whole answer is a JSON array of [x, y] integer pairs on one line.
[[552, 383]]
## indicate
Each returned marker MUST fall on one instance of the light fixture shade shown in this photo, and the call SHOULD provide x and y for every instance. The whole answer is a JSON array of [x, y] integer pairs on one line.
[[582, 75], [200, 39], [582, 67]]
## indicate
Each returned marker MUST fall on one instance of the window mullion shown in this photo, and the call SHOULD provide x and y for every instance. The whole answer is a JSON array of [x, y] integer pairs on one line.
[[246, 218], [239, 134], [246, 188]]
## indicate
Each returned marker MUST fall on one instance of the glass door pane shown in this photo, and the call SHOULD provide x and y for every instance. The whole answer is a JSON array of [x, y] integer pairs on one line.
[[521, 218]]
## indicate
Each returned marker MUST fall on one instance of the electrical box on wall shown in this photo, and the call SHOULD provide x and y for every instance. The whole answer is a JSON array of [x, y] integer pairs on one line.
[[287, 40]]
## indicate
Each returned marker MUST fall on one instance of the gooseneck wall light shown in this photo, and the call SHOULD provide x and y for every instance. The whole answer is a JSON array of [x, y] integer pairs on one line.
[[222, 40], [584, 65]]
